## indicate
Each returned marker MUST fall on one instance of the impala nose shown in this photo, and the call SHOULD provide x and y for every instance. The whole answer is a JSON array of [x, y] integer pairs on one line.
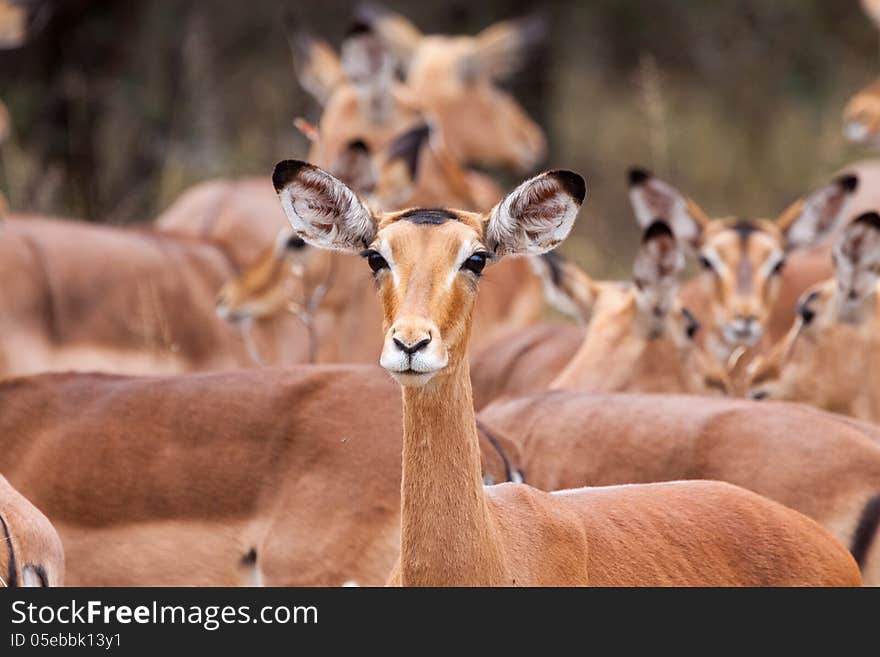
[[413, 347]]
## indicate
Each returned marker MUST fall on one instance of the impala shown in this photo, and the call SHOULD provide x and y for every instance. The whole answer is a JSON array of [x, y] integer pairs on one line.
[[122, 300], [454, 79], [823, 465], [363, 103], [288, 477], [745, 261], [426, 265], [639, 338], [830, 356], [31, 552]]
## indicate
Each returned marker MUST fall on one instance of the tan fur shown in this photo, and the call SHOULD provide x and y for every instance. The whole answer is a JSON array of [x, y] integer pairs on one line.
[[861, 116], [81, 296], [574, 439], [189, 473], [30, 550], [745, 288], [455, 532], [265, 291], [453, 78], [13, 24], [831, 363], [626, 347]]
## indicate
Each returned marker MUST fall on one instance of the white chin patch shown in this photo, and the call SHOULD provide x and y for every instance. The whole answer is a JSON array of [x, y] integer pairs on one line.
[[411, 378], [855, 131]]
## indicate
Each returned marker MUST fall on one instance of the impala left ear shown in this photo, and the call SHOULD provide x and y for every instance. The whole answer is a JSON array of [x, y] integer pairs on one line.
[[321, 209], [502, 48], [809, 220], [537, 215]]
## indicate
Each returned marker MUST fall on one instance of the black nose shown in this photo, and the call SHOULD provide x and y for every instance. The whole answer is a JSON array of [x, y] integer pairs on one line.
[[412, 348]]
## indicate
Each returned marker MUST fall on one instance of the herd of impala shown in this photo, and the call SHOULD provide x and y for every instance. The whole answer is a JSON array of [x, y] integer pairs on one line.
[[154, 432]]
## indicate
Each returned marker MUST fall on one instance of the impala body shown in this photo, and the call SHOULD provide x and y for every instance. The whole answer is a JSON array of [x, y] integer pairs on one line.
[[426, 264], [122, 300]]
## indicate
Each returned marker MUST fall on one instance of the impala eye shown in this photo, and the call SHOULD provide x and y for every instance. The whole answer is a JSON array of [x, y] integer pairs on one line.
[[475, 263], [778, 267], [375, 260], [706, 264]]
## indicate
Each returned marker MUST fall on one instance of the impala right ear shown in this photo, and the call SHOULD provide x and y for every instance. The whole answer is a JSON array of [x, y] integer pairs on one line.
[[318, 69], [321, 209], [809, 220], [536, 216], [399, 34], [652, 198]]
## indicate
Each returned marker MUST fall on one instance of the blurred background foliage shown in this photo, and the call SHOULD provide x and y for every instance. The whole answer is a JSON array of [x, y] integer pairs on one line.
[[118, 106]]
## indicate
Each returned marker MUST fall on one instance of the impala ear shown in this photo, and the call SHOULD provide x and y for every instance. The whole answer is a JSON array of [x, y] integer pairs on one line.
[[651, 198], [656, 269], [354, 167], [369, 66], [537, 215], [810, 219], [502, 48], [567, 288], [321, 209], [857, 250], [400, 36], [318, 69]]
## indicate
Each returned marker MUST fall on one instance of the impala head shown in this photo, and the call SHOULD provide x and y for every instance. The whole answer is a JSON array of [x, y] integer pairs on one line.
[[358, 92], [454, 79], [861, 117], [427, 262], [742, 258], [266, 287], [823, 358], [640, 338]]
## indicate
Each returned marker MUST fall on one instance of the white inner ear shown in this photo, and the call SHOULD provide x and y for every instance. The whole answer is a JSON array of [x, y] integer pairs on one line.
[[815, 220], [326, 213], [656, 199], [532, 219]]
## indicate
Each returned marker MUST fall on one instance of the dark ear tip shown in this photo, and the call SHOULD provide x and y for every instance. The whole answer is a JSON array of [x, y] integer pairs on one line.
[[572, 182], [637, 176], [287, 170], [359, 27], [848, 182], [658, 228], [871, 219]]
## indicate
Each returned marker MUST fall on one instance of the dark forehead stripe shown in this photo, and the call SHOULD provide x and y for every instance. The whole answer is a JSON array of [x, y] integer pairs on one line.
[[429, 216], [744, 228]]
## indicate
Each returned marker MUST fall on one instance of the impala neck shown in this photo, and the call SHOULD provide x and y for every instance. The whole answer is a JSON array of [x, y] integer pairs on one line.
[[447, 536]]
